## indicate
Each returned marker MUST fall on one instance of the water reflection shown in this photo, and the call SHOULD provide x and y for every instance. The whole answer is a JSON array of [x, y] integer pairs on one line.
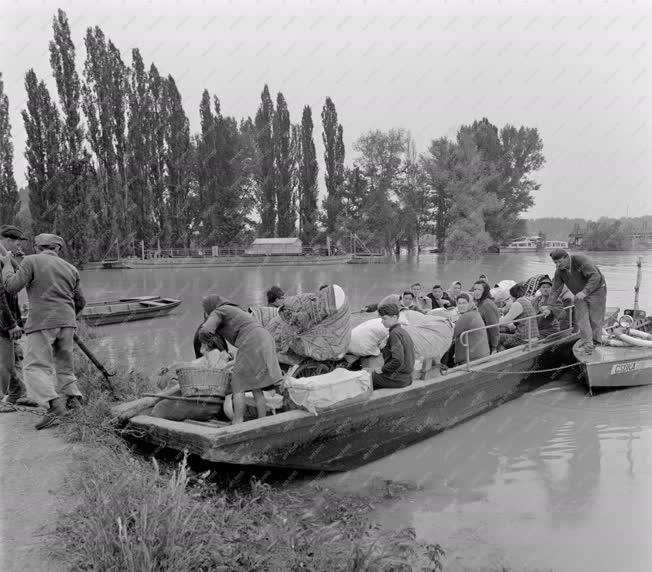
[[554, 462]]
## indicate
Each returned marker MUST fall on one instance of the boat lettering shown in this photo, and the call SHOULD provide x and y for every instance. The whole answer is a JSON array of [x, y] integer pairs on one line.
[[624, 367]]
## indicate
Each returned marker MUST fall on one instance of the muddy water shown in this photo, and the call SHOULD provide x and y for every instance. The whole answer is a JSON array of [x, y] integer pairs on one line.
[[554, 480]]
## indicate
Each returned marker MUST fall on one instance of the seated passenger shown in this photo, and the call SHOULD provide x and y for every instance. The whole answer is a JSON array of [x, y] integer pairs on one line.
[[407, 301], [521, 331], [422, 303], [489, 312], [439, 298], [477, 341], [455, 290], [552, 310], [275, 296], [398, 353]]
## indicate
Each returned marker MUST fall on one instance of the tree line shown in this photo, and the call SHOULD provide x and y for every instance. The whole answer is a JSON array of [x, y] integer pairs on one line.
[[112, 158]]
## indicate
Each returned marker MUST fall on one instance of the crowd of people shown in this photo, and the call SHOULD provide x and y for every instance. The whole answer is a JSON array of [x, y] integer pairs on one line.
[[486, 320]]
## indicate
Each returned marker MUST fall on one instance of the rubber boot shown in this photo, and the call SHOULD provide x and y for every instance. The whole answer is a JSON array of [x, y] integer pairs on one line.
[[56, 411]]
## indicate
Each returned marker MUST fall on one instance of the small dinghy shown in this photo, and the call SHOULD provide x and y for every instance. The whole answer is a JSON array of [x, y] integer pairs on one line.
[[124, 310]]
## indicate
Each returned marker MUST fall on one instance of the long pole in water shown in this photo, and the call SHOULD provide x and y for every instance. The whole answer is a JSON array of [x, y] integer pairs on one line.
[[639, 264]]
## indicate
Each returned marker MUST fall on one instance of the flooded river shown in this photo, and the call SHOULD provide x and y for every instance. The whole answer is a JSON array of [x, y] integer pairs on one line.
[[554, 480]]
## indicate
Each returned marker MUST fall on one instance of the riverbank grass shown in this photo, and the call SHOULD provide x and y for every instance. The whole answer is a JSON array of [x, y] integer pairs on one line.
[[125, 512]]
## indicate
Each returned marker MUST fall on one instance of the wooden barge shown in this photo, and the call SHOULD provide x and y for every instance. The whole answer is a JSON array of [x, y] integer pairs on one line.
[[354, 434]]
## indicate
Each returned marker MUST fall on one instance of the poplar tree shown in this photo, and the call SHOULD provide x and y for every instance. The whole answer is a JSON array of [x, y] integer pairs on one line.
[[73, 214], [43, 154], [138, 155], [179, 172], [333, 138], [283, 162], [308, 171], [98, 104], [266, 171], [9, 201], [157, 152]]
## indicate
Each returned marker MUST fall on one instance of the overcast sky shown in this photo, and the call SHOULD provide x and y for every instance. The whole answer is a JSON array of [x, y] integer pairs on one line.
[[576, 70]]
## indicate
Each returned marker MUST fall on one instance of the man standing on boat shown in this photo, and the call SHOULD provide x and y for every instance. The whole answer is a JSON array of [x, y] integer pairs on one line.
[[587, 283], [55, 298]]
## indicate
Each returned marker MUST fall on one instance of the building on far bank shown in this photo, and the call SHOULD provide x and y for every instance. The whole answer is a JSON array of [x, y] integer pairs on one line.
[[275, 247]]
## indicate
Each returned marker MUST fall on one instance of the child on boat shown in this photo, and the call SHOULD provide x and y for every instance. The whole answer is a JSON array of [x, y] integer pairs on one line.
[[398, 353]]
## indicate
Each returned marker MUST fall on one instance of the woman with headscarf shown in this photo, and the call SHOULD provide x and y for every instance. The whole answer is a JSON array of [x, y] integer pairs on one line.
[[256, 365], [488, 310], [455, 290]]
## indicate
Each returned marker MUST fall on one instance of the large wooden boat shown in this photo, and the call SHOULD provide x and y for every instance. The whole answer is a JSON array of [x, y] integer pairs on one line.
[[354, 434]]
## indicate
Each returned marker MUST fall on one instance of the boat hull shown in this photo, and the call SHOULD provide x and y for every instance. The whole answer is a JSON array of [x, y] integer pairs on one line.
[[119, 313], [355, 434], [613, 367]]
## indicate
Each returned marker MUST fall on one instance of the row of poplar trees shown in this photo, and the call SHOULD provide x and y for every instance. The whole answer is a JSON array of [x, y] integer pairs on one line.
[[114, 163]]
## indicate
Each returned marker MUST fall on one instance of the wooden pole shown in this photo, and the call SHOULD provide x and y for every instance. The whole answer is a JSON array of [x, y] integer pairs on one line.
[[639, 264]]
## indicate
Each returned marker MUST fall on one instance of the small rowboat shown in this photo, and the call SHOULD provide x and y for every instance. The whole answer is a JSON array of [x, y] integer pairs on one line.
[[125, 310], [618, 366]]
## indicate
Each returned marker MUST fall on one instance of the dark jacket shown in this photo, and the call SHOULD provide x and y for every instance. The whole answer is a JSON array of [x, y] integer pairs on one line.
[[548, 324], [490, 317], [10, 316], [398, 354], [477, 341], [582, 276]]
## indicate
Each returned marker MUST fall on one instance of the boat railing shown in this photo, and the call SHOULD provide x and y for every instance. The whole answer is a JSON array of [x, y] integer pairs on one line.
[[464, 336]]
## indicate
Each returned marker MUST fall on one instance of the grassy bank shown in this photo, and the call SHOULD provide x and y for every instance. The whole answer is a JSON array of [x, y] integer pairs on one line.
[[129, 513]]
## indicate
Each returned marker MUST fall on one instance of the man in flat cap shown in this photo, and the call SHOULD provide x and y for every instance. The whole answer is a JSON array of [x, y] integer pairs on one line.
[[11, 325], [55, 299], [587, 283]]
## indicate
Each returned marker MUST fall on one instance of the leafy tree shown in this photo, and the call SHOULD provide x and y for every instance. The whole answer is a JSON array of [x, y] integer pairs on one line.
[[43, 154], [103, 91], [283, 162], [73, 220], [308, 171], [510, 156], [138, 150], [179, 168], [266, 169], [381, 158], [9, 200], [157, 152], [333, 138]]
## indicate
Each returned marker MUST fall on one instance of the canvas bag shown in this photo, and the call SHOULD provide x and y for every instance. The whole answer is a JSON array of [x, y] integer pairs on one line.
[[323, 392]]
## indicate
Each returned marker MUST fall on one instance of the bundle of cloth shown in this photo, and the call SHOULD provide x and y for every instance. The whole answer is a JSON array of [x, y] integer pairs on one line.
[[500, 292], [431, 335], [313, 325], [533, 284], [264, 314]]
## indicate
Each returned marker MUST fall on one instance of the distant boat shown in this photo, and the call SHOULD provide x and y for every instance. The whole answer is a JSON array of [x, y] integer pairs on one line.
[[125, 310], [533, 244]]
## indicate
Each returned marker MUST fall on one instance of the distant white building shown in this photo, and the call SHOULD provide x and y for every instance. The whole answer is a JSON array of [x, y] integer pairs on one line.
[[275, 246]]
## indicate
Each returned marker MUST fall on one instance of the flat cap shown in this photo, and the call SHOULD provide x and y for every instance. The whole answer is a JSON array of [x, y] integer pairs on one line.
[[558, 253], [11, 231], [48, 240]]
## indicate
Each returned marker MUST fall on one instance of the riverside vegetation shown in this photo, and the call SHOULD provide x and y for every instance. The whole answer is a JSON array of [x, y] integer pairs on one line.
[[115, 160], [145, 513]]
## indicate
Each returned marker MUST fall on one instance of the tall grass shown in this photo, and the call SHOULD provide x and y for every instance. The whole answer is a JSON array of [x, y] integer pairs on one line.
[[126, 513]]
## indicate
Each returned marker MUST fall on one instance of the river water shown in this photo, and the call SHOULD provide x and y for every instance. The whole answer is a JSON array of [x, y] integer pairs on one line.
[[554, 480]]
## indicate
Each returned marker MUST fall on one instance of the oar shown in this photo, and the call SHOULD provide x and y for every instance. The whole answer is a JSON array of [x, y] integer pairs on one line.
[[84, 348]]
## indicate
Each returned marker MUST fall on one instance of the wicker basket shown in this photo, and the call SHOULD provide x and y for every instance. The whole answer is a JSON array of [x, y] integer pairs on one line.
[[204, 381]]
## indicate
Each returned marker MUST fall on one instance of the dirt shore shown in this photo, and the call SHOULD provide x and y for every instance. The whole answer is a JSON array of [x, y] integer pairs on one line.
[[33, 468]]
